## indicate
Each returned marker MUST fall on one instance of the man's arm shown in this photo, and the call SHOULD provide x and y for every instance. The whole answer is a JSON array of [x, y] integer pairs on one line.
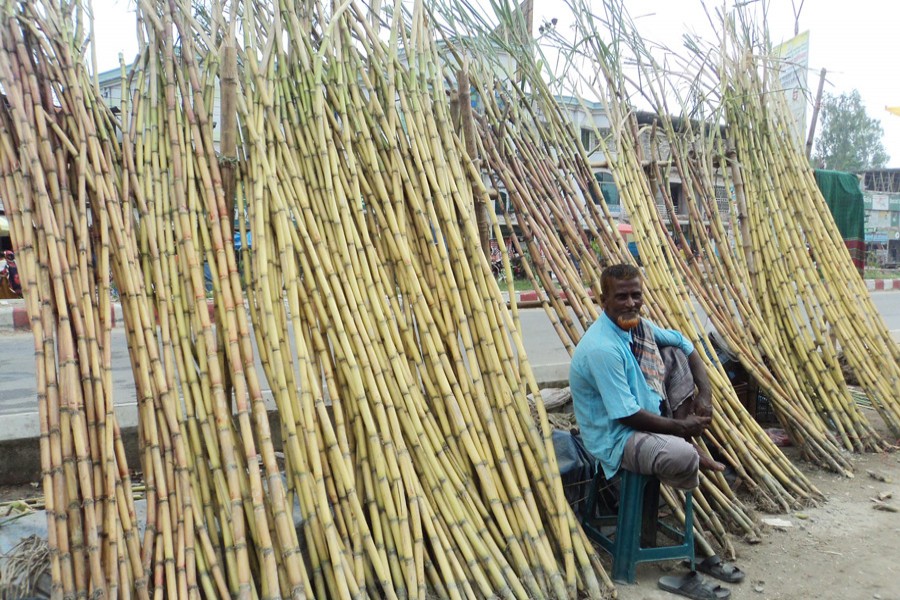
[[703, 400], [690, 426]]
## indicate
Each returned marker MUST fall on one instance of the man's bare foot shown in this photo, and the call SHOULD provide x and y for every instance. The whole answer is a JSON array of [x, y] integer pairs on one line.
[[708, 464]]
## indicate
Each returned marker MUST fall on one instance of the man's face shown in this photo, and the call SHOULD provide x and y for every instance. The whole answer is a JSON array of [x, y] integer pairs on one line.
[[623, 302]]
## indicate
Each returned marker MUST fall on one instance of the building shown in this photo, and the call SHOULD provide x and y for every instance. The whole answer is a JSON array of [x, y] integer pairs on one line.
[[110, 84], [881, 197], [591, 121], [588, 118]]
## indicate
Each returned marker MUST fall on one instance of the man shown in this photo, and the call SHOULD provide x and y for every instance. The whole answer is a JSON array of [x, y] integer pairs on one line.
[[618, 383]]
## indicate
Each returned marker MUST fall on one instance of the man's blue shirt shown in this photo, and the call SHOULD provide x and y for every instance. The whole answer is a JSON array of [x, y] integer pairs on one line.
[[607, 385]]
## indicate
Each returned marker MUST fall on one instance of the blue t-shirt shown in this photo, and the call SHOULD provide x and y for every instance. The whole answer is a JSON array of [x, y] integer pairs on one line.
[[607, 384]]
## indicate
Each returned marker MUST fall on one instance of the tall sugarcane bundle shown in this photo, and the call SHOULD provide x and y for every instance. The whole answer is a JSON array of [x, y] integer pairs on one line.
[[801, 272], [535, 156], [59, 160], [366, 290], [781, 337]]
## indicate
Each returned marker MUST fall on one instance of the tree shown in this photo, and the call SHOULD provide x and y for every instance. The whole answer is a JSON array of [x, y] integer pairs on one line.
[[850, 138]]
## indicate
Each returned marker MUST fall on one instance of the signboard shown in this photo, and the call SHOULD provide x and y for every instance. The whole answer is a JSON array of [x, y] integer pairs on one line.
[[881, 202], [793, 69], [879, 219]]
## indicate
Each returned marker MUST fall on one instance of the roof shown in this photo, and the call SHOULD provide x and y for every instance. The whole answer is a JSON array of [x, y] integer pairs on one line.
[[881, 180], [579, 102], [111, 75]]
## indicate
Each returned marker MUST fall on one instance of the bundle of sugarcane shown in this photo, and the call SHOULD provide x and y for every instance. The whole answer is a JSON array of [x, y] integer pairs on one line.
[[58, 159], [788, 322], [169, 160], [369, 213], [800, 269]]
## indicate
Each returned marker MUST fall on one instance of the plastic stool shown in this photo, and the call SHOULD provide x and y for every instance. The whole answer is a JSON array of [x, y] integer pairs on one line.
[[637, 523]]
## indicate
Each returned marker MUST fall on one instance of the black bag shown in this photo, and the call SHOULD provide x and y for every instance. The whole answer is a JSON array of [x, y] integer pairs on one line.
[[576, 465]]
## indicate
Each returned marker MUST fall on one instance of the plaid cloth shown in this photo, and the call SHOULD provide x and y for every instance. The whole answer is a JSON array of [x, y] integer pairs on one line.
[[679, 381], [666, 370], [647, 354]]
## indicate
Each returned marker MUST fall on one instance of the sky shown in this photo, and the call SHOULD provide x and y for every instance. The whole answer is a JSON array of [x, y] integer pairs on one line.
[[855, 41]]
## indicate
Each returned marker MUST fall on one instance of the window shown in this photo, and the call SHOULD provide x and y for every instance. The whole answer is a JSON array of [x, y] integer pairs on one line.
[[607, 188], [587, 138], [675, 195], [722, 200], [502, 204]]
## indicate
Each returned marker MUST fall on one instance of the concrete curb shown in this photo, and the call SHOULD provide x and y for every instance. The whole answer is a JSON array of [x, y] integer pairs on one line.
[[14, 315], [525, 297], [882, 284]]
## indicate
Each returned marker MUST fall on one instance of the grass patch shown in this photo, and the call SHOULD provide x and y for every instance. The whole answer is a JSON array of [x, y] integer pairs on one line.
[[876, 273], [519, 285]]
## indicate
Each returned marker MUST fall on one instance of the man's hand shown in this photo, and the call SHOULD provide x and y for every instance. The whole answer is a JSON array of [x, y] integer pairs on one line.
[[693, 425], [687, 427]]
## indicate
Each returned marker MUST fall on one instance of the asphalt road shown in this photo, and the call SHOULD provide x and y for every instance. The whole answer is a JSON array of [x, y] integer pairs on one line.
[[544, 349], [17, 371]]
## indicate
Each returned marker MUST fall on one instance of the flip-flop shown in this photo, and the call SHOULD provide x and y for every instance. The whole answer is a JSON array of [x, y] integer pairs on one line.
[[691, 585], [723, 571]]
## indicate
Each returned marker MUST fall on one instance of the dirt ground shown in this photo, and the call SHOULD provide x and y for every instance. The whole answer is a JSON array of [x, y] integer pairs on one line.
[[841, 550]]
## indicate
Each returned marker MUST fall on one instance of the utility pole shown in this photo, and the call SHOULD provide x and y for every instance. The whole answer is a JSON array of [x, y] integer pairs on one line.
[[228, 163], [815, 115], [467, 122]]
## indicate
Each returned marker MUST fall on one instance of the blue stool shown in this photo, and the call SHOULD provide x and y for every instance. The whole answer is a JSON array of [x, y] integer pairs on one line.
[[637, 524]]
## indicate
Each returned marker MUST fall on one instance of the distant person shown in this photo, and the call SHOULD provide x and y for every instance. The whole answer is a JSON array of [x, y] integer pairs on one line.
[[11, 272]]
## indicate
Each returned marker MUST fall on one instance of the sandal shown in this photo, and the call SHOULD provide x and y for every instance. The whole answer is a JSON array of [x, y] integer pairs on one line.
[[691, 585], [723, 571]]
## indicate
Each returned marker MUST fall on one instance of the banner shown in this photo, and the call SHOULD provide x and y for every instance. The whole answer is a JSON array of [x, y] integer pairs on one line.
[[794, 67]]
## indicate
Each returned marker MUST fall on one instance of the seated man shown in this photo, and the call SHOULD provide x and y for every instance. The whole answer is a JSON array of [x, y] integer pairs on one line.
[[617, 378]]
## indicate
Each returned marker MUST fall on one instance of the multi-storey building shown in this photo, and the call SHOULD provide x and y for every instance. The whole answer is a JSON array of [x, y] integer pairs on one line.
[[881, 197]]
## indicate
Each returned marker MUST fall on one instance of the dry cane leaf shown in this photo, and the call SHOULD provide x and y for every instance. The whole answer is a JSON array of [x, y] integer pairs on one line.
[[879, 476]]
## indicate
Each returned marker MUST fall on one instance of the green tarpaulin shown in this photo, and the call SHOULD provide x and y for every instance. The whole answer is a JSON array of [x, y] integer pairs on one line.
[[845, 200]]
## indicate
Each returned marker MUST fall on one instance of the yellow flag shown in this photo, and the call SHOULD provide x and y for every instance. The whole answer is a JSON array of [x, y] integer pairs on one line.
[[893, 109]]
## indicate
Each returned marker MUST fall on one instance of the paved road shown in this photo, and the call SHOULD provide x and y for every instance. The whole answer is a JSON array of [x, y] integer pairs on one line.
[[17, 380], [547, 355]]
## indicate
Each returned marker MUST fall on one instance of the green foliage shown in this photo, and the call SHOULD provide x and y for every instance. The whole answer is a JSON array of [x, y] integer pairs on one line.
[[850, 140]]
